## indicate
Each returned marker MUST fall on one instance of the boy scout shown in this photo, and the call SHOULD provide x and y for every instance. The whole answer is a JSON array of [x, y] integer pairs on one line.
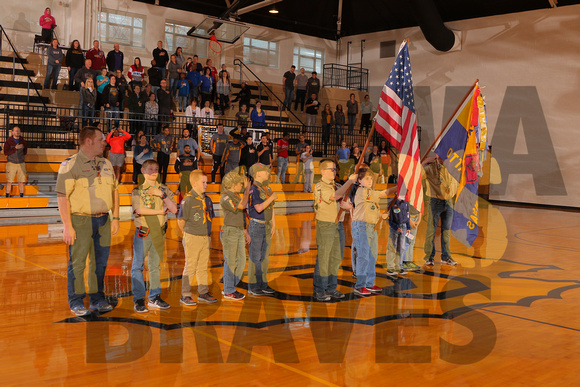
[[233, 234], [150, 202], [365, 216], [86, 191], [261, 229], [192, 221], [327, 235]]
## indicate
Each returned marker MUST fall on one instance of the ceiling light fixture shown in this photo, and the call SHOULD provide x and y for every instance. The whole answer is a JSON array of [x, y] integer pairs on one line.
[[273, 10]]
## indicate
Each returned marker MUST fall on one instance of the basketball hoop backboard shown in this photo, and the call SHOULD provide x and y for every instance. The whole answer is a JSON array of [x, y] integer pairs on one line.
[[225, 31]]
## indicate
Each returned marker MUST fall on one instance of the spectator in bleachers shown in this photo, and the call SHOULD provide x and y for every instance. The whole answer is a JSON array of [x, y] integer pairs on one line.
[[75, 58], [206, 114], [224, 70], [351, 112], [366, 109], [115, 59], [214, 77], [183, 92], [88, 99], [288, 81], [249, 155], [15, 148], [242, 116], [192, 115], [258, 117], [136, 166], [163, 144], [194, 78], [85, 73], [116, 140], [301, 82], [312, 106], [47, 23], [122, 84], [174, 70], [374, 160], [179, 58], [151, 115], [339, 120], [142, 153], [136, 104], [282, 147], [224, 88], [165, 101], [97, 56], [184, 164], [231, 157], [136, 73], [307, 159], [195, 65], [102, 81], [299, 164], [217, 145], [54, 62], [313, 85], [206, 85], [264, 151], [327, 124], [155, 76], [161, 57], [342, 159], [244, 96], [113, 101]]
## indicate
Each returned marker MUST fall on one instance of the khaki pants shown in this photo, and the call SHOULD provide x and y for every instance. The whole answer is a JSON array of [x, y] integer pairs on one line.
[[196, 260]]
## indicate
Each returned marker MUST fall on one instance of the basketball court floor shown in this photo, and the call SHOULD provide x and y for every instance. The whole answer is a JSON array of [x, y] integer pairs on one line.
[[507, 314]]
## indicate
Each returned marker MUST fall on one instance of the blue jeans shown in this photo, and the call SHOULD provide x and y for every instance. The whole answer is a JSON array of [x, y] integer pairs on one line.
[[351, 120], [51, 71], [173, 86], [72, 85], [93, 238], [282, 168], [396, 246], [339, 134], [87, 112], [259, 252], [366, 261], [234, 248], [113, 112], [410, 246], [439, 208], [163, 72], [289, 93], [142, 246], [183, 100]]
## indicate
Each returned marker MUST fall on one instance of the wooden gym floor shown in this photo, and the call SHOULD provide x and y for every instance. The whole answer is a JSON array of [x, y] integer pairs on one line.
[[506, 315]]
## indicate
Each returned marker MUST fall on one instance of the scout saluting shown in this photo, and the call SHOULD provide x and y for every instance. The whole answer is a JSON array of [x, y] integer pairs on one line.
[[233, 234]]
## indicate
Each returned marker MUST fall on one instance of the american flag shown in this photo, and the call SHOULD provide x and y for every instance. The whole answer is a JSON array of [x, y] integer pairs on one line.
[[397, 122]]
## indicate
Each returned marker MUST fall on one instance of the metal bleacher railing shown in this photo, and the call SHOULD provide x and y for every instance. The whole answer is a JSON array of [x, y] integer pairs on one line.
[[345, 76]]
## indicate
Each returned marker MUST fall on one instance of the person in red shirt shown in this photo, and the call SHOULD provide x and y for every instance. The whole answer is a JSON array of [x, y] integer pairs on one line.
[[117, 154], [97, 56], [282, 149]]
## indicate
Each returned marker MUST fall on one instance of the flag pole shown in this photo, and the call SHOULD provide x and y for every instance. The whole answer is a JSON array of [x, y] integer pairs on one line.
[[449, 120], [357, 166]]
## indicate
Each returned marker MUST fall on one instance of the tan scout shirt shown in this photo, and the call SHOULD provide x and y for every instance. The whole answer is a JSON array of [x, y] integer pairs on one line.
[[324, 204], [141, 199], [440, 184], [366, 205], [88, 184]]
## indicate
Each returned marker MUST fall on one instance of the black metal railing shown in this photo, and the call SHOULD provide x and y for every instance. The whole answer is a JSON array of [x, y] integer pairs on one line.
[[345, 76], [16, 58]]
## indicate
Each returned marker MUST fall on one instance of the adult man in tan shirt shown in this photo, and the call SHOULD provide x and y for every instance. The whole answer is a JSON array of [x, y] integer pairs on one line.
[[87, 191]]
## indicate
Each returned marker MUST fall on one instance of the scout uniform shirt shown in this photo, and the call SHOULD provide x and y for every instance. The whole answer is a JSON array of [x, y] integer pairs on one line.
[[195, 213], [325, 207], [233, 216], [259, 193], [366, 205], [88, 184], [141, 199], [440, 184]]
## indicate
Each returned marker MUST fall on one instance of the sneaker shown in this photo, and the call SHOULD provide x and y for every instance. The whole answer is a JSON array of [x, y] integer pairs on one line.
[[412, 266], [7, 195], [336, 294], [140, 306], [206, 297], [321, 296], [187, 301], [429, 262], [362, 292], [268, 290], [449, 261], [80, 310], [236, 296], [391, 272], [158, 303], [375, 289], [256, 292], [403, 272], [101, 307]]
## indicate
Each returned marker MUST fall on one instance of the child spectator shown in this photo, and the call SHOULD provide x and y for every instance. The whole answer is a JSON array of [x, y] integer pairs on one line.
[[183, 93], [306, 158]]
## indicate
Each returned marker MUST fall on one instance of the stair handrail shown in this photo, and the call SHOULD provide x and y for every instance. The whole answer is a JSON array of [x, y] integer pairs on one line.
[[239, 62], [21, 62]]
